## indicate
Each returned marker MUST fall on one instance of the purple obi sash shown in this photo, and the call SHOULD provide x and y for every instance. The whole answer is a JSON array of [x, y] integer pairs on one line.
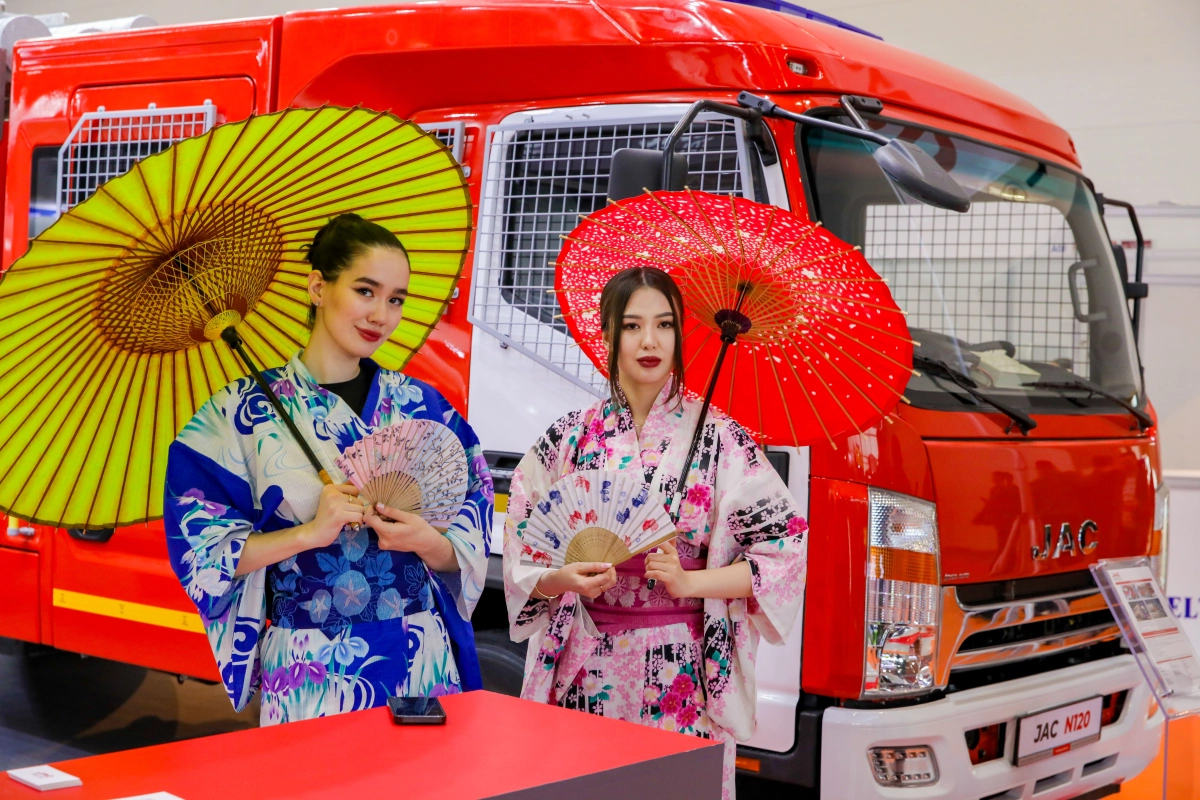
[[633, 604]]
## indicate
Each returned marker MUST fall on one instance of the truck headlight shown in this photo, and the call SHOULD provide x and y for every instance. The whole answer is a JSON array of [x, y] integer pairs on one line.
[[1158, 537], [903, 595]]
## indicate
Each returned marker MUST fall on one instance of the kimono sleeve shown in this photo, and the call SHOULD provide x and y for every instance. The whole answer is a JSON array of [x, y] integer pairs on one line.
[[209, 510], [526, 614], [758, 514], [470, 532]]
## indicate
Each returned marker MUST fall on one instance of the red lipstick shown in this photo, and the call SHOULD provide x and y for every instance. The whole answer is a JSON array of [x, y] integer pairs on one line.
[[370, 336], [649, 362]]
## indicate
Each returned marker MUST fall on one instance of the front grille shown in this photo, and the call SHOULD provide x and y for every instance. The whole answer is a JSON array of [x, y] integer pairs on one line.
[[990, 676], [992, 592], [1027, 621], [1036, 630]]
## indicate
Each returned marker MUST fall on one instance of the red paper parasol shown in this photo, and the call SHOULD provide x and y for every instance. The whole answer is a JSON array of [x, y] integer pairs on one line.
[[821, 347]]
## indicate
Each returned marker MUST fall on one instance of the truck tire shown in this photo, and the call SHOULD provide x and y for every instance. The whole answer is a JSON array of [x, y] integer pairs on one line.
[[501, 660]]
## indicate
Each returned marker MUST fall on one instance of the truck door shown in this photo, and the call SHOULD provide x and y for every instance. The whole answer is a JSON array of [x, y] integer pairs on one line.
[[112, 593]]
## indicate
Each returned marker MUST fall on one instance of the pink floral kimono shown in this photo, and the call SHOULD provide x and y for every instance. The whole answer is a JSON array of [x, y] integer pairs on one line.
[[679, 665]]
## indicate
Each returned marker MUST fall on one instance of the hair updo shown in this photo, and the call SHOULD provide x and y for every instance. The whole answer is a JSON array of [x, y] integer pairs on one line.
[[340, 241]]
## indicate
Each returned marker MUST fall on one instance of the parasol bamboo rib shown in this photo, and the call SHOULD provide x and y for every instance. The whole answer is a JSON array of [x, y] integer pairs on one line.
[[839, 370], [804, 391], [899, 364], [825, 385]]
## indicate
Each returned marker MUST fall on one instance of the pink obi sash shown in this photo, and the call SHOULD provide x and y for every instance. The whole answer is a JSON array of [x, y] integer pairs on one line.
[[633, 604]]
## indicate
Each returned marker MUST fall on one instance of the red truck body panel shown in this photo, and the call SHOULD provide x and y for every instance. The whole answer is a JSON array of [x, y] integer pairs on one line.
[[993, 520]]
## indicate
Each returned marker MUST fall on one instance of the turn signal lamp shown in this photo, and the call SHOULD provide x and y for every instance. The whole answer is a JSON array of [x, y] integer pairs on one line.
[[1158, 537], [903, 595], [903, 766]]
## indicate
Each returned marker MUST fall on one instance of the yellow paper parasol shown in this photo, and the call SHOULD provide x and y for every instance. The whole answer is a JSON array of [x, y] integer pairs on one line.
[[110, 324]]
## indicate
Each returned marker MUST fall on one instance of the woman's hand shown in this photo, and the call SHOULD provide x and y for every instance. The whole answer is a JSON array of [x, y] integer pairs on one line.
[[411, 533], [665, 568], [337, 508], [399, 530], [588, 578]]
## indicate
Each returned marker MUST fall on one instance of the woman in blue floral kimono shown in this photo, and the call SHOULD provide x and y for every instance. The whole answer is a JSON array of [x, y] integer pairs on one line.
[[363, 603]]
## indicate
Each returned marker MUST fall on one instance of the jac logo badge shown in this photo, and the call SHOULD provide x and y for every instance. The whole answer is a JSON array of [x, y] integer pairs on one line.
[[1070, 545]]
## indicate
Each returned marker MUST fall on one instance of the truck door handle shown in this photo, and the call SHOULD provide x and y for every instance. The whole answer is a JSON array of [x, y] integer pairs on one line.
[[100, 535], [1072, 272]]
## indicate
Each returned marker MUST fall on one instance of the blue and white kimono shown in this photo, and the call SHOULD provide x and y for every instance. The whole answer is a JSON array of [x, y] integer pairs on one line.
[[350, 624]]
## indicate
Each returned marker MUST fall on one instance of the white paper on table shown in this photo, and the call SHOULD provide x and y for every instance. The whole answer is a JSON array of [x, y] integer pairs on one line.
[[44, 778], [152, 796]]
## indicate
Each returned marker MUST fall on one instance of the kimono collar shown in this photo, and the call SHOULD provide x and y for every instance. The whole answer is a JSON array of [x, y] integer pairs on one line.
[[660, 420], [301, 374], [664, 406], [305, 378]]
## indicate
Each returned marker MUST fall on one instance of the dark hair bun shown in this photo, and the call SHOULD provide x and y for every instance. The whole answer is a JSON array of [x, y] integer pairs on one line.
[[341, 240]]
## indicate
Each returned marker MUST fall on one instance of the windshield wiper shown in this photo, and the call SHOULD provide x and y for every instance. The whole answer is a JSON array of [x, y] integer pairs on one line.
[[940, 369], [1143, 419]]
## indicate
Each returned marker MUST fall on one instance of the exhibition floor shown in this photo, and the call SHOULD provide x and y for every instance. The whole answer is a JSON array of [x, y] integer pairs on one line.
[[56, 706]]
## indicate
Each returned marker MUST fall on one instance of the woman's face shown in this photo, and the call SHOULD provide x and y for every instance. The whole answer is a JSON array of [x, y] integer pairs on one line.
[[647, 341], [362, 308]]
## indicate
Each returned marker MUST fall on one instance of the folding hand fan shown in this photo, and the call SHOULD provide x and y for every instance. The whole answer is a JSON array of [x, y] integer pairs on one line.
[[414, 465], [595, 516]]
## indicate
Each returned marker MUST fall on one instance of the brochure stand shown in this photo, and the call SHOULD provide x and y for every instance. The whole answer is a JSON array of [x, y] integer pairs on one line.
[[1163, 652]]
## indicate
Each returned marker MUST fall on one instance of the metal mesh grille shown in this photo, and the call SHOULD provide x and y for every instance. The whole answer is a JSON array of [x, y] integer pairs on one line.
[[998, 272], [105, 144], [540, 178], [450, 134]]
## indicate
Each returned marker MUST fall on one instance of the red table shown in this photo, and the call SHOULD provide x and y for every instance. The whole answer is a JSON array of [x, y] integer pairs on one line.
[[490, 746]]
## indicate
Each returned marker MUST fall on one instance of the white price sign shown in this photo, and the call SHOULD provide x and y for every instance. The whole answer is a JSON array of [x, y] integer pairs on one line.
[[1057, 730]]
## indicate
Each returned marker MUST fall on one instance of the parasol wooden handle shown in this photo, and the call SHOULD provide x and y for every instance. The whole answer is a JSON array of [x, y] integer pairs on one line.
[[235, 342], [733, 323]]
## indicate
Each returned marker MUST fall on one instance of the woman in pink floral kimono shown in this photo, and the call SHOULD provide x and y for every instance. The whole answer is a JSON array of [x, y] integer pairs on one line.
[[675, 632]]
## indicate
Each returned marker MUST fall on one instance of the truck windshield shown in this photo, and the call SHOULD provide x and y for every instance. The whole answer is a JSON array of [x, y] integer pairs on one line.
[[1021, 290]]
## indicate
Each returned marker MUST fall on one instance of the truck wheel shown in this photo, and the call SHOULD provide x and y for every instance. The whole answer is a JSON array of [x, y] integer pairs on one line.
[[501, 660]]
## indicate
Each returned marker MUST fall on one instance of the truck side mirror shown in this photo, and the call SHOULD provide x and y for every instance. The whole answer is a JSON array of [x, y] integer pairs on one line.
[[912, 169], [635, 170], [907, 165]]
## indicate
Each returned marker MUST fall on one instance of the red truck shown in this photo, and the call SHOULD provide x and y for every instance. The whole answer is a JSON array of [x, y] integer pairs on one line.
[[949, 611]]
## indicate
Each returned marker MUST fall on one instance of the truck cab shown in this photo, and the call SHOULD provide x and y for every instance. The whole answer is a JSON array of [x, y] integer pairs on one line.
[[948, 592]]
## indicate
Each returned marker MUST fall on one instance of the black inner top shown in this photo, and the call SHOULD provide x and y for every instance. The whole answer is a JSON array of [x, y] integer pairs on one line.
[[355, 390]]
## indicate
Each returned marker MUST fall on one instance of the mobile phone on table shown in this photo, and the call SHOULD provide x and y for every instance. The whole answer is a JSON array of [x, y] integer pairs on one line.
[[416, 711]]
